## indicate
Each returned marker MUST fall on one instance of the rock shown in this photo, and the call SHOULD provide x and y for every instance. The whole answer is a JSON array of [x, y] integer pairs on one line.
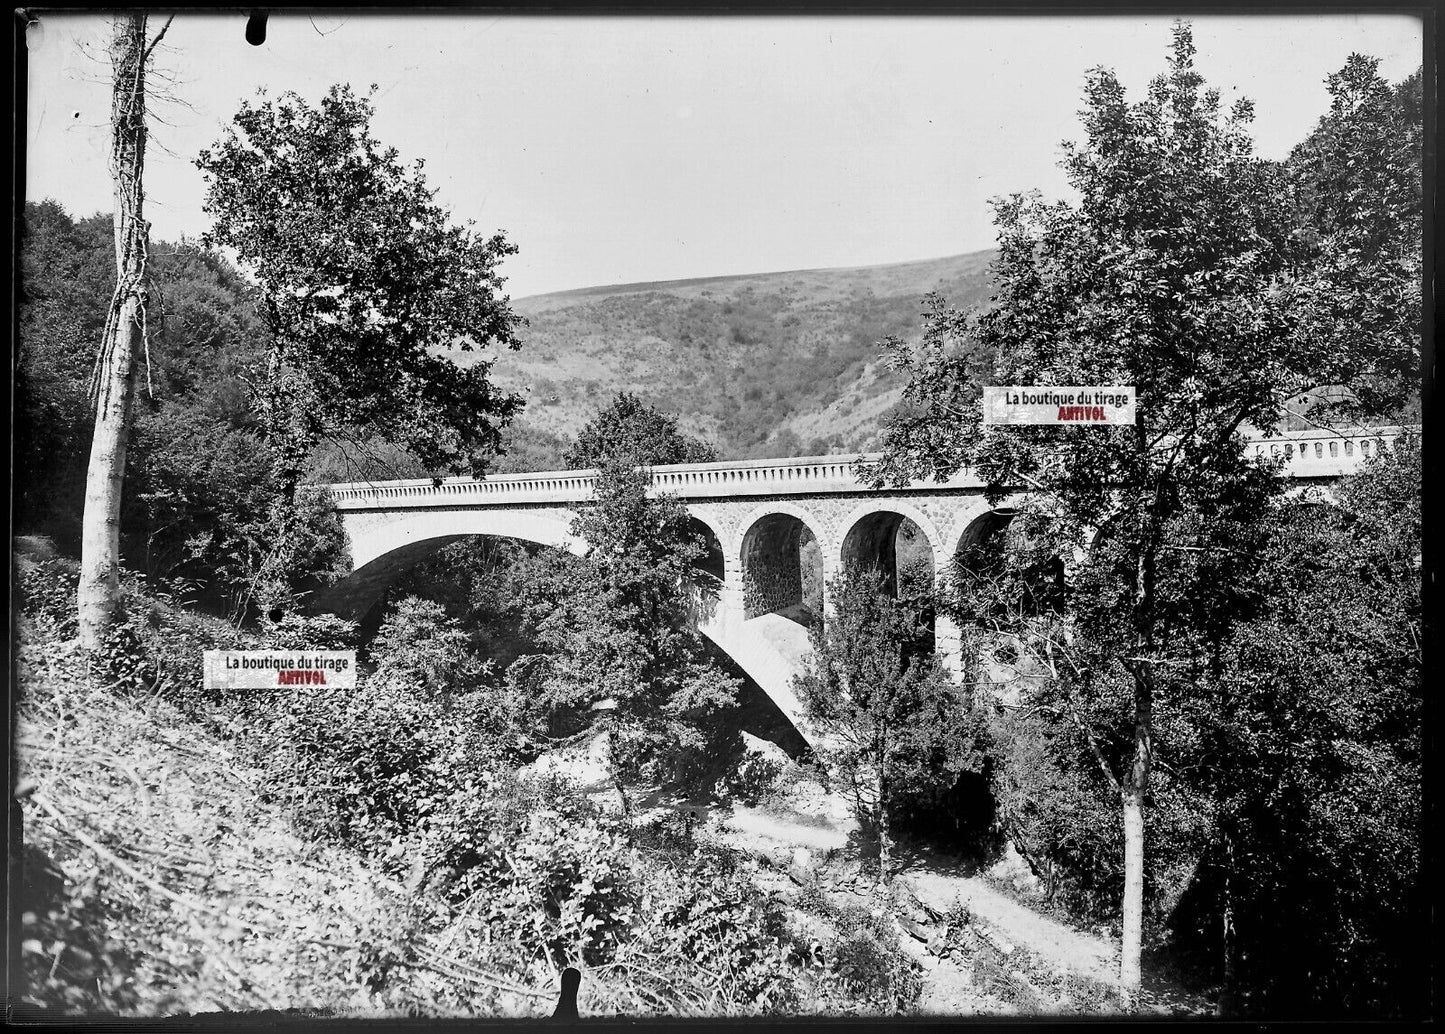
[[921, 910], [915, 930], [1012, 869], [802, 859]]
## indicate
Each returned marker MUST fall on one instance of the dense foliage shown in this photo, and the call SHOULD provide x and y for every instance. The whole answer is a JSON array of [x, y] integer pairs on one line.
[[498, 876], [363, 283], [1160, 672], [630, 430], [1307, 750], [619, 626], [1356, 194], [361, 280], [892, 723], [200, 478]]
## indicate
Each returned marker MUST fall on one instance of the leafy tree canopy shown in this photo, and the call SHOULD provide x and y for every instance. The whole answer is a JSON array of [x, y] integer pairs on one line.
[[1184, 271], [630, 429], [1357, 195], [363, 281], [892, 722], [620, 624]]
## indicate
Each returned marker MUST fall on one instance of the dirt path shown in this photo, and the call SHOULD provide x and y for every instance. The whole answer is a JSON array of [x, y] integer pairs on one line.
[[1066, 949], [1061, 951]]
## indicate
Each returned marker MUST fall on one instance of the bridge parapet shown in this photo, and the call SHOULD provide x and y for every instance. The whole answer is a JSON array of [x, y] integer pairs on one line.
[[1328, 453], [1308, 454]]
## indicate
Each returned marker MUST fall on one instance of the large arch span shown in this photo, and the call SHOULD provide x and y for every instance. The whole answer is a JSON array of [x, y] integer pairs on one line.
[[764, 656]]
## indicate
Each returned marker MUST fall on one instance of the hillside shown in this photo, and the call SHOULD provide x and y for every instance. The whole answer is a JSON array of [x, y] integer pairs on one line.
[[178, 860], [766, 364]]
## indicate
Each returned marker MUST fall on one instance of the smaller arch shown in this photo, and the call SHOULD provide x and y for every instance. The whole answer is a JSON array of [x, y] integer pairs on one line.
[[978, 506], [893, 538], [757, 513], [981, 552], [782, 567], [713, 561], [899, 506]]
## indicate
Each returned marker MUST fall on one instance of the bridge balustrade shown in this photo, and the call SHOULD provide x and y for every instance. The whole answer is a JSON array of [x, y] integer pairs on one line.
[[1307, 454]]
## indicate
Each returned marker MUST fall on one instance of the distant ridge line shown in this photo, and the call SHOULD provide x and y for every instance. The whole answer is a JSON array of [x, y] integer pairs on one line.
[[645, 285]]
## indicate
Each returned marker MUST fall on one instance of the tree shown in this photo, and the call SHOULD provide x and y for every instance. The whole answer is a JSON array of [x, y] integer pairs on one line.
[[66, 270], [114, 381], [1356, 184], [619, 624], [363, 283], [420, 646], [1306, 759], [630, 429], [891, 719], [1174, 274]]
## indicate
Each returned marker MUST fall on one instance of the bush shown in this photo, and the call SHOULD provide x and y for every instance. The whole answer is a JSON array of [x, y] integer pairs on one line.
[[295, 631], [420, 645], [755, 779], [365, 766], [47, 588], [866, 957], [734, 939]]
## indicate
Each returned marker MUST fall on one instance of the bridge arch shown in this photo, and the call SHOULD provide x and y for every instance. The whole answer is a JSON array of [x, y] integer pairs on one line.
[[776, 575], [382, 550], [974, 524], [871, 534], [714, 562], [981, 547]]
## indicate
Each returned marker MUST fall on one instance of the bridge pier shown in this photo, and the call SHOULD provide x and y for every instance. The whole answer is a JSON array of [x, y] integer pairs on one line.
[[948, 646]]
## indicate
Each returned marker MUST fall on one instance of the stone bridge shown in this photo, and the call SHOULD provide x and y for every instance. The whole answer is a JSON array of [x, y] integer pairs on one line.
[[777, 530]]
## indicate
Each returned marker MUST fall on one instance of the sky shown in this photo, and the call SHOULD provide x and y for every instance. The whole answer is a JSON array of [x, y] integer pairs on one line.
[[624, 149]]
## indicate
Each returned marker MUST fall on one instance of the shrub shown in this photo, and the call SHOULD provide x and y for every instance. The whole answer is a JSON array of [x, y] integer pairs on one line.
[[420, 645], [866, 955], [295, 631], [365, 766], [755, 779], [559, 877], [69, 965], [734, 939], [48, 588]]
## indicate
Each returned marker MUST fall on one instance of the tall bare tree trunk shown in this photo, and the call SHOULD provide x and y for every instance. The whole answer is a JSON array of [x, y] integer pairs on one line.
[[1134, 787], [98, 598], [1133, 918]]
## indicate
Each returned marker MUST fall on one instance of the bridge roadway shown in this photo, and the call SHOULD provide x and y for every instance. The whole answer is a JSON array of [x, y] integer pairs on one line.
[[760, 518]]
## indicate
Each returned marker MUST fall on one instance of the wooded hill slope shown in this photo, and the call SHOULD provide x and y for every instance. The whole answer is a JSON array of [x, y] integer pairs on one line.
[[765, 364]]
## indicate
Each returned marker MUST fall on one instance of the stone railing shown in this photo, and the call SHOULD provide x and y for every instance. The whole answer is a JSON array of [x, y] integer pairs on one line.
[[1308, 454], [1325, 453]]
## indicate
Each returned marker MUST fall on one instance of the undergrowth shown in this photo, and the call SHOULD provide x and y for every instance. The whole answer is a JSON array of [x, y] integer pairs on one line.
[[361, 851]]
